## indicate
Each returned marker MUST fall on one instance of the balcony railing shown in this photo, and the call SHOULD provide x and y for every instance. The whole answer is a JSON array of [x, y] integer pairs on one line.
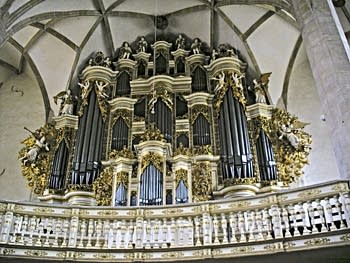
[[305, 218]]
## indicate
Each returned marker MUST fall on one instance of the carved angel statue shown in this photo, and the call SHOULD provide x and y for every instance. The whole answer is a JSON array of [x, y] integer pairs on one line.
[[33, 152], [125, 51], [67, 102], [180, 42], [142, 45], [100, 89], [221, 82], [196, 46], [287, 131], [214, 53], [237, 79], [153, 101], [85, 89], [258, 89]]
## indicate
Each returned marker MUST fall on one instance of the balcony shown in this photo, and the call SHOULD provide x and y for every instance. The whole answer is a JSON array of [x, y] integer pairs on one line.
[[294, 220]]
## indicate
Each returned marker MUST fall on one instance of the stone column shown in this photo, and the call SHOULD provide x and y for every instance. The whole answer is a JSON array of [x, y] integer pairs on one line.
[[331, 70]]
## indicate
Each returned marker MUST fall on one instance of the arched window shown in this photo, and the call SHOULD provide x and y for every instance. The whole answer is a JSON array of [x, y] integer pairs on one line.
[[120, 135], [123, 84], [201, 131], [199, 80], [180, 66]]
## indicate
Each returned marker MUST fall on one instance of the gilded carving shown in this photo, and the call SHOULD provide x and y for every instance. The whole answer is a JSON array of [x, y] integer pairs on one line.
[[102, 187], [160, 93], [80, 187], [238, 181], [152, 158], [226, 80], [8, 251], [36, 156], [196, 110], [122, 178], [181, 174], [125, 153], [174, 254], [124, 114], [290, 144], [242, 250], [202, 150], [152, 134], [317, 242], [201, 181], [181, 150], [309, 193], [35, 253]]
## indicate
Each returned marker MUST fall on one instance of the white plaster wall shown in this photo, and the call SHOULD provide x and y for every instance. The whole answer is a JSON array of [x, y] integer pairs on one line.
[[16, 112], [303, 101]]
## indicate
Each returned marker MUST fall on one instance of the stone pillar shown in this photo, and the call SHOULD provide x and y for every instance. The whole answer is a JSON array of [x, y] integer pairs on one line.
[[331, 70]]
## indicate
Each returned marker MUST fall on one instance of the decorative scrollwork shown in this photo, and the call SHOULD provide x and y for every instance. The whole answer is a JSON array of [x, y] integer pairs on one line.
[[152, 134], [228, 80], [80, 187], [201, 181], [240, 181], [181, 174], [122, 178], [181, 150], [36, 157], [202, 149], [199, 109], [291, 145], [152, 158], [103, 187], [125, 153], [124, 114]]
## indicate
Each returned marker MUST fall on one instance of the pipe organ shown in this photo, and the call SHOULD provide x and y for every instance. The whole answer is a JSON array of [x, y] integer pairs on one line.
[[165, 126]]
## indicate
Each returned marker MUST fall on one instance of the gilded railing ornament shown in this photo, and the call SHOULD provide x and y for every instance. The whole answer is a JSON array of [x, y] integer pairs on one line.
[[125, 153], [152, 158], [102, 187], [202, 149], [36, 157], [181, 150], [226, 80], [201, 181], [291, 145], [152, 134], [181, 174]]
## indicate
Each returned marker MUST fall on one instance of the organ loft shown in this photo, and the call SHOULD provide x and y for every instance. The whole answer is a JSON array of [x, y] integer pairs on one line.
[[164, 123]]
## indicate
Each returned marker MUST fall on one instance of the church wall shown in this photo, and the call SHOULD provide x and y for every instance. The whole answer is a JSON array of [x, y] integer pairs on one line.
[[304, 101], [17, 111]]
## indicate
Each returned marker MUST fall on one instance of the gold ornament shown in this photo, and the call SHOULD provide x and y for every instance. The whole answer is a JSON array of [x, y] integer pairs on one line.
[[102, 187], [181, 174], [201, 181], [152, 158]]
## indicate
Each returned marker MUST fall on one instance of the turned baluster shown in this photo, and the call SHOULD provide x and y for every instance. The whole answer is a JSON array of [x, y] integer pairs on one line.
[[251, 225], [148, 233], [320, 212], [346, 206], [329, 215], [156, 243], [65, 232], [131, 234], [224, 228], [139, 233], [285, 221], [58, 226], [113, 235], [292, 218], [276, 221], [241, 228], [106, 228], [172, 233], [23, 229], [339, 211], [123, 229], [40, 232], [233, 227], [31, 228], [16, 228], [165, 232], [48, 232], [259, 225], [216, 230], [311, 217], [82, 233], [90, 232], [73, 230], [206, 229], [197, 228], [98, 233]]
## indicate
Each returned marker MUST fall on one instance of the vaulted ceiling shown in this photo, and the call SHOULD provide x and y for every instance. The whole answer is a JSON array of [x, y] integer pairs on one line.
[[55, 38]]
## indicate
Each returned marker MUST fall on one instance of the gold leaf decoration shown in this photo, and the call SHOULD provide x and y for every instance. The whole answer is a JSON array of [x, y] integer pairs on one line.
[[317, 242], [196, 110], [201, 181], [181, 174], [152, 158], [125, 153], [125, 114], [103, 187], [152, 134]]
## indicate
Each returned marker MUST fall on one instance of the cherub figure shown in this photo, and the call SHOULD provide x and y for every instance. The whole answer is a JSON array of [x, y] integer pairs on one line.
[[221, 82], [214, 53], [196, 46], [85, 89], [180, 42], [67, 103], [153, 101], [33, 152], [100, 89], [142, 45], [125, 51], [287, 131]]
